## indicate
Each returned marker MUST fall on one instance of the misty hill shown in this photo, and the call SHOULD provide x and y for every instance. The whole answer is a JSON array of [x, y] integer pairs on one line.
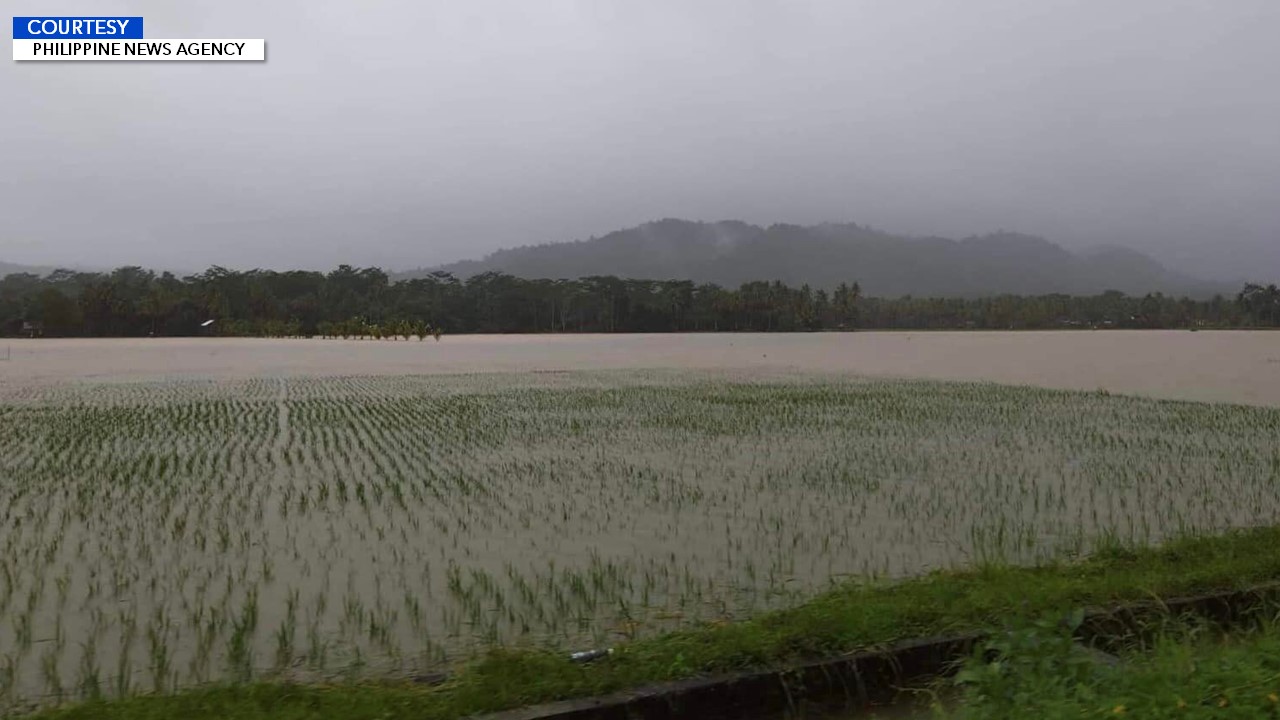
[[13, 268], [730, 253]]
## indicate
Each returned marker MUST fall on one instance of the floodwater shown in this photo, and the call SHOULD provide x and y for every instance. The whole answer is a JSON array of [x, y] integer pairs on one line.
[[182, 511], [1226, 366]]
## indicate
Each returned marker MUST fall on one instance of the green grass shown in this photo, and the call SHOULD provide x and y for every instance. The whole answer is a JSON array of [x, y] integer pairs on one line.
[[847, 618], [1191, 670]]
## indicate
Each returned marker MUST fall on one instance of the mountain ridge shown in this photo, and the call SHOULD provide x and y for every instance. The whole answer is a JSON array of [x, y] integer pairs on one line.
[[732, 252]]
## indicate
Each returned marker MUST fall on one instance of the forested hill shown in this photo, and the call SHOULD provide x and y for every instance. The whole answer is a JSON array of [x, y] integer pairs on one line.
[[731, 253]]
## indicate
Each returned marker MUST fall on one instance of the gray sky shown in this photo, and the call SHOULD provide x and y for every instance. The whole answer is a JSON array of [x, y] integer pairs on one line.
[[412, 133]]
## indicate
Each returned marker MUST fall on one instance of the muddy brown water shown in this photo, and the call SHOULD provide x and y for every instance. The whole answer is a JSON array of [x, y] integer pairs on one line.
[[1230, 366]]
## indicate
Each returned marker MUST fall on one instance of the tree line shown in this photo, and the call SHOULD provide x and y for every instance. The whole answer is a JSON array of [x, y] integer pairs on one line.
[[364, 302]]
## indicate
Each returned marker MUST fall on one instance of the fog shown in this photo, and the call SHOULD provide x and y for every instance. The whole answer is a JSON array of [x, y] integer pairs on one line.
[[407, 134]]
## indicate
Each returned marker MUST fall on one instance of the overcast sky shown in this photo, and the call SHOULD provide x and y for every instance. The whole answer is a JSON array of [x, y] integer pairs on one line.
[[412, 133]]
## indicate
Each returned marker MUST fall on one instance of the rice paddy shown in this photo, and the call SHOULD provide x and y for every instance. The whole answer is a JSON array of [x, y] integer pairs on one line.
[[159, 535]]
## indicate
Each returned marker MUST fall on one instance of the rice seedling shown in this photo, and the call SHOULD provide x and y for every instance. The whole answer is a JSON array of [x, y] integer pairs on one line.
[[184, 532]]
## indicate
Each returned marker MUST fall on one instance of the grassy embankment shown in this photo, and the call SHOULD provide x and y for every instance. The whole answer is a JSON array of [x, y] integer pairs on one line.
[[841, 620], [1175, 667], [1185, 674]]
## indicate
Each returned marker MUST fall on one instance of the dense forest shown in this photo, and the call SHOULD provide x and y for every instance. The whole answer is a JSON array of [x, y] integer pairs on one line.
[[364, 302]]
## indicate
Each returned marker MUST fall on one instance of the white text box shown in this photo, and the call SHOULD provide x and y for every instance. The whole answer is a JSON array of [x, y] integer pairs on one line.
[[195, 50]]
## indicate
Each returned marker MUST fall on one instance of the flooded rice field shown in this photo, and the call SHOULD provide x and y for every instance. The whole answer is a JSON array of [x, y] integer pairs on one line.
[[1231, 366], [312, 509]]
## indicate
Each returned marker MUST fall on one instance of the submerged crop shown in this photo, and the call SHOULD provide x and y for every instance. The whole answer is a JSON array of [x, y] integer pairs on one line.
[[160, 535]]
